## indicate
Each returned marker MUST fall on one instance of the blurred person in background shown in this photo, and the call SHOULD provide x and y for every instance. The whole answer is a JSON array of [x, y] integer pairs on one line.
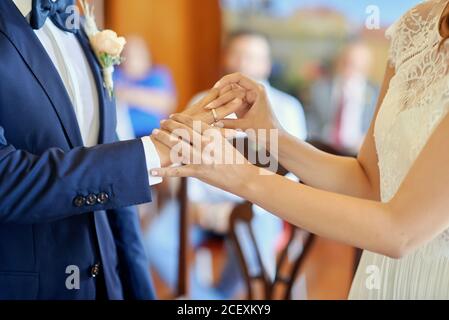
[[247, 52], [343, 106], [145, 92]]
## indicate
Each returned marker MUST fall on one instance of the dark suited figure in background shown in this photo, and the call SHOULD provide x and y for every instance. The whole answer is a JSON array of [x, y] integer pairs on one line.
[[342, 107]]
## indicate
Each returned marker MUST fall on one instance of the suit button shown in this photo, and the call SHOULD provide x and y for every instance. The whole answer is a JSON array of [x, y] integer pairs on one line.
[[79, 201], [103, 198], [95, 270], [91, 200]]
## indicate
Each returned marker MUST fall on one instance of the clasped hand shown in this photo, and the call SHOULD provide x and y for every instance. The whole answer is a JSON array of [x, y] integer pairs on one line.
[[198, 138]]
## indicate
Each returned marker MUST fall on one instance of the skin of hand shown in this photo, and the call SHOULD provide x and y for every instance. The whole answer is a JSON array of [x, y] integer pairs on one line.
[[200, 144], [255, 111], [198, 112], [316, 168], [416, 215], [395, 228]]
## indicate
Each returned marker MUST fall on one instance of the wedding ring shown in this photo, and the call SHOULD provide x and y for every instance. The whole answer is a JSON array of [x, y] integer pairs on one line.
[[215, 115]]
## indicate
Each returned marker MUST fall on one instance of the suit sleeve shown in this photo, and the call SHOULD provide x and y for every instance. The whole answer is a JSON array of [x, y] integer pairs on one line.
[[57, 184], [133, 260]]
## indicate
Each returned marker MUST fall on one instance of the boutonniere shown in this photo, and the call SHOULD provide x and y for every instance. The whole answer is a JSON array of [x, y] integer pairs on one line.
[[106, 45]]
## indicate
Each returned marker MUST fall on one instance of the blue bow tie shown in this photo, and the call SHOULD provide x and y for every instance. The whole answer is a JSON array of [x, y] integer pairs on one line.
[[56, 10]]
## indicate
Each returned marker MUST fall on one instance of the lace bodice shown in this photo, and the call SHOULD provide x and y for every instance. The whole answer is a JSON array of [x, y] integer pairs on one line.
[[418, 97]]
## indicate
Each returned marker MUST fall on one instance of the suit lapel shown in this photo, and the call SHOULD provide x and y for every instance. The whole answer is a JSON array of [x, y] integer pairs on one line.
[[106, 104], [15, 27]]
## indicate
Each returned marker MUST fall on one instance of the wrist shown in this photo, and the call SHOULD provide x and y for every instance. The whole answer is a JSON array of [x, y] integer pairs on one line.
[[268, 137], [163, 152], [284, 139], [248, 181]]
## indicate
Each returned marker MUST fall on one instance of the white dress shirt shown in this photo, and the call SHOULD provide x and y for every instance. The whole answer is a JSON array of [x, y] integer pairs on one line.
[[69, 59]]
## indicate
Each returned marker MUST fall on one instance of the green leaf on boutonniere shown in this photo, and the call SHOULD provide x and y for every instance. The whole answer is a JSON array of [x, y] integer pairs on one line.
[[107, 60]]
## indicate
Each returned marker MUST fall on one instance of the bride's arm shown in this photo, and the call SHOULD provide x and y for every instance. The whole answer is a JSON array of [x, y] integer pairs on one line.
[[355, 177], [416, 215]]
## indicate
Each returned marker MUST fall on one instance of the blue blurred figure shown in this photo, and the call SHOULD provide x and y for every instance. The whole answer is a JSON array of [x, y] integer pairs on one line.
[[145, 91]]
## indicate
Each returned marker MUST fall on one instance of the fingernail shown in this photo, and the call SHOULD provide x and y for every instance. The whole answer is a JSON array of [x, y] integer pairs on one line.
[[163, 121], [171, 116], [209, 106], [156, 131]]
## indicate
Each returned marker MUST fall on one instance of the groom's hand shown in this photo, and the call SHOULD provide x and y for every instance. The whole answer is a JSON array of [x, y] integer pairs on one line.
[[164, 153], [199, 113]]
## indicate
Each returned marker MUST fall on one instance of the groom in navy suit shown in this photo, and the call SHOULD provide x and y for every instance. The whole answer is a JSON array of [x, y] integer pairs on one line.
[[66, 185]]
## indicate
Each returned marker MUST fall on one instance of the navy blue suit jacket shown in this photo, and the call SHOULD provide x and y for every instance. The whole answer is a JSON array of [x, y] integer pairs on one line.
[[62, 204]]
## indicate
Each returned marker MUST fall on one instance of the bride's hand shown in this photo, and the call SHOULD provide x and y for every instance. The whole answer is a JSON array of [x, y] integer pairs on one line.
[[198, 112], [204, 152], [255, 111]]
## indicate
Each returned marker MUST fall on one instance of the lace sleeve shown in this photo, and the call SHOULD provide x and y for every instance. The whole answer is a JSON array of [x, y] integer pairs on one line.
[[391, 34], [414, 31]]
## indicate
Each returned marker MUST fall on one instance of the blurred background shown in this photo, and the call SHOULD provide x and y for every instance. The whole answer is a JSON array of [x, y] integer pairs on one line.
[[322, 62]]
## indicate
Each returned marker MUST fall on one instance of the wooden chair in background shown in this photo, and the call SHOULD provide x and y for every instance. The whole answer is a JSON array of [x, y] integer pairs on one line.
[[183, 267], [262, 283], [287, 271]]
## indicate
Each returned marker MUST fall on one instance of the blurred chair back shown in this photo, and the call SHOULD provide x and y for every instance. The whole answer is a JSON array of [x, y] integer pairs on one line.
[[292, 256], [287, 269], [298, 246], [183, 267]]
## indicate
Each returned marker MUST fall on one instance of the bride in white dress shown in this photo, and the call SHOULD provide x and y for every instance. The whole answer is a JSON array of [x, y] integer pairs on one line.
[[393, 201]]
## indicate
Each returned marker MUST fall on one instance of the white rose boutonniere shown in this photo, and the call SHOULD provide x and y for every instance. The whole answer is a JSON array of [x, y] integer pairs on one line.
[[106, 44]]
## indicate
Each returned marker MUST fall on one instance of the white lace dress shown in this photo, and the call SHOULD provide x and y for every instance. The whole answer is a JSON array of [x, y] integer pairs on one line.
[[416, 103]]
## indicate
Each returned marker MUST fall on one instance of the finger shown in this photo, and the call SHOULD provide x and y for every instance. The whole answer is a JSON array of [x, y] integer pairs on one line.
[[227, 133], [226, 98], [202, 131], [211, 96], [199, 105], [180, 150], [165, 138], [176, 172], [197, 125], [181, 130], [234, 106], [239, 124], [241, 113], [230, 87], [239, 79], [194, 132]]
